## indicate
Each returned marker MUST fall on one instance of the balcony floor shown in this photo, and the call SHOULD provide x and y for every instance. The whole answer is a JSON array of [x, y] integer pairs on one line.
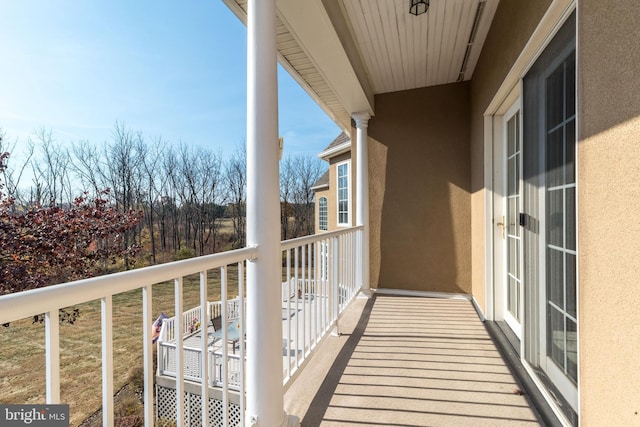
[[405, 361]]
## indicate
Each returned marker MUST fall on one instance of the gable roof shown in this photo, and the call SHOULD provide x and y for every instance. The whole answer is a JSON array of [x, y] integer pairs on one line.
[[340, 145], [322, 182]]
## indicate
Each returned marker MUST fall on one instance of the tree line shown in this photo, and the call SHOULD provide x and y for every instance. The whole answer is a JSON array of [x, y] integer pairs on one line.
[[191, 199]]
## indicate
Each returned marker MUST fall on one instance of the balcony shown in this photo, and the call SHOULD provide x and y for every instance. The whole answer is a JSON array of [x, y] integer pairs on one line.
[[409, 361], [387, 360], [318, 283]]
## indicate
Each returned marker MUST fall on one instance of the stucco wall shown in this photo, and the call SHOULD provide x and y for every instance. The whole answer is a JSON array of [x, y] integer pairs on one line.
[[332, 192], [608, 202], [318, 195], [512, 26], [419, 190]]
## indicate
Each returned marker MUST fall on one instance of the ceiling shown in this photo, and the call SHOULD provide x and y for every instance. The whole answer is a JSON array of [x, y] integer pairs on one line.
[[344, 52], [402, 51]]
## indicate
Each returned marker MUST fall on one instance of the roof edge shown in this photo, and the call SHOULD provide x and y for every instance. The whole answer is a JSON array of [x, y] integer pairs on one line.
[[335, 150]]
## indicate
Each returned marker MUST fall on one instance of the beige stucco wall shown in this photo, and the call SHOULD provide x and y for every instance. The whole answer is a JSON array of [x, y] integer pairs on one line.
[[419, 190], [318, 195], [332, 192], [608, 204], [512, 26]]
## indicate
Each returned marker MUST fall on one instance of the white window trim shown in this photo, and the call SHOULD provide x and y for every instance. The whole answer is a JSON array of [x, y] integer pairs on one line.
[[349, 209], [326, 213], [510, 90]]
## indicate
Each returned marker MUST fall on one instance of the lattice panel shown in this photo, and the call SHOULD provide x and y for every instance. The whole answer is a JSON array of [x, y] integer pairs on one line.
[[165, 403], [166, 409], [194, 409]]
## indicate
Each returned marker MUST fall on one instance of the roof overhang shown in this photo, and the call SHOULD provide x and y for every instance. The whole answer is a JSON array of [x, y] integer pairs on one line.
[[310, 49], [343, 52], [336, 150]]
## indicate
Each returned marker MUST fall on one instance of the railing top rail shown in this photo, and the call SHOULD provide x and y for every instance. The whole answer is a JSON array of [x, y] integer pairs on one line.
[[293, 243], [30, 303]]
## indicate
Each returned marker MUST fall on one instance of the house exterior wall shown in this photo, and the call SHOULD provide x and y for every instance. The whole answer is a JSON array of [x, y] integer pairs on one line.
[[608, 191], [419, 190], [608, 199], [332, 192], [512, 26], [318, 195]]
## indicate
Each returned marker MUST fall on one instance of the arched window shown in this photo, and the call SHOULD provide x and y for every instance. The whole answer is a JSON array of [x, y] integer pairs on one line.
[[322, 214]]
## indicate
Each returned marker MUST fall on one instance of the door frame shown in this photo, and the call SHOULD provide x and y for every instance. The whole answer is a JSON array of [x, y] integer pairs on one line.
[[497, 203], [502, 276], [508, 92]]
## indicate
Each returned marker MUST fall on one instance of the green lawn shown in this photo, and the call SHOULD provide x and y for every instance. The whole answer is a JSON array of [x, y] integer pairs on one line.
[[22, 358]]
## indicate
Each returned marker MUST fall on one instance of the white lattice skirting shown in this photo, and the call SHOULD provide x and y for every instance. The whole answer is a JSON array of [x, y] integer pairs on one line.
[[166, 408]]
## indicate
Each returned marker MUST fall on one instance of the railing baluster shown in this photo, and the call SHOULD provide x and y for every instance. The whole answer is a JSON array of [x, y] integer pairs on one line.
[[225, 350], [147, 324], [107, 360], [315, 293], [335, 286], [242, 326], [204, 343], [288, 298], [179, 339], [52, 346], [297, 310], [304, 299]]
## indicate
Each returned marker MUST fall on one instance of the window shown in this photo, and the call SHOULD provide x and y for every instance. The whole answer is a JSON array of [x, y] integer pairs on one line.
[[343, 193], [549, 154], [322, 214]]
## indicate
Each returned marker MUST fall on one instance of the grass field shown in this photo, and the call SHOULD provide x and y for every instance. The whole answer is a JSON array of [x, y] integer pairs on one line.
[[22, 347]]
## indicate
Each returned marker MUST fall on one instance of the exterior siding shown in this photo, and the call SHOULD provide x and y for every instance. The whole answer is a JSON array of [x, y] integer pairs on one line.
[[608, 195], [419, 190], [318, 194], [512, 26], [332, 195]]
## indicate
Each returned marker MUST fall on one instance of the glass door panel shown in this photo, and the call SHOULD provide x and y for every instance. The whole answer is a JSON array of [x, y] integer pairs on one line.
[[560, 245], [513, 291]]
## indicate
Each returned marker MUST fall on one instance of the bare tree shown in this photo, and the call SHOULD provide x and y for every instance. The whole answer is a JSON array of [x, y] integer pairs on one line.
[[170, 213], [236, 180], [51, 170], [287, 188], [121, 173], [150, 160], [307, 171], [12, 177], [87, 166]]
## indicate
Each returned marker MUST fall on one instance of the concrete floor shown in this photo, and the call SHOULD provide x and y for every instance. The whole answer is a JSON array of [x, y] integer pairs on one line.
[[406, 361]]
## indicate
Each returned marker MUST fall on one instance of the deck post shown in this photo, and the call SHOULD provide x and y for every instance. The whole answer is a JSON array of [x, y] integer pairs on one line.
[[362, 198], [265, 393]]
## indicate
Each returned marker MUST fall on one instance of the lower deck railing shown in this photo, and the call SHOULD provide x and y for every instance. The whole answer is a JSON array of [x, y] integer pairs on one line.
[[320, 273]]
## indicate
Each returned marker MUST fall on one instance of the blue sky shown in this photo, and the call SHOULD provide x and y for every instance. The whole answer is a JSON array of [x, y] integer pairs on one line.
[[175, 70]]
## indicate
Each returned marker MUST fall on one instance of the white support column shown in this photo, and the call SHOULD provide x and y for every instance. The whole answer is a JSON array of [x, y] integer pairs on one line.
[[362, 196], [265, 403]]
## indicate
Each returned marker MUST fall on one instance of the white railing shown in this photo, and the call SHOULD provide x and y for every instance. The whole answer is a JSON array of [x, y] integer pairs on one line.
[[192, 321], [320, 275], [51, 299], [320, 281]]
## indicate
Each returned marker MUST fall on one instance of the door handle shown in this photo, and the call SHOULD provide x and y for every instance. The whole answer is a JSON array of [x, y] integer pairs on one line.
[[502, 225]]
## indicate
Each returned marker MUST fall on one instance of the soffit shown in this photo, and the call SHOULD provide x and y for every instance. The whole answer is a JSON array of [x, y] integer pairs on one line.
[[402, 51], [342, 52], [310, 50]]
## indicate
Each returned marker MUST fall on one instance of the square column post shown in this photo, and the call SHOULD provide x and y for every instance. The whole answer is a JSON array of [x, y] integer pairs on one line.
[[264, 389], [362, 196]]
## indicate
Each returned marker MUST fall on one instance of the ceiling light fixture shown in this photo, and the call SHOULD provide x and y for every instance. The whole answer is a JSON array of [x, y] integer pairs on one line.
[[418, 7]]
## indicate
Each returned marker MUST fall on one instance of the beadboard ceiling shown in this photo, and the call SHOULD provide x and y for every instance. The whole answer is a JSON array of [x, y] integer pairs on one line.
[[343, 52], [402, 51]]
